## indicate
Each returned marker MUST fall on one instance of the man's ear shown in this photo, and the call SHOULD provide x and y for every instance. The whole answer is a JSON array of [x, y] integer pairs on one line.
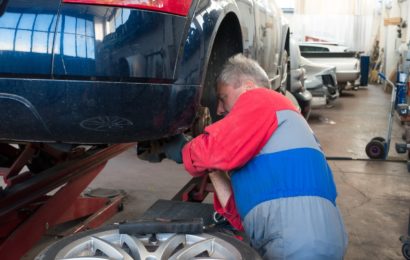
[[249, 84]]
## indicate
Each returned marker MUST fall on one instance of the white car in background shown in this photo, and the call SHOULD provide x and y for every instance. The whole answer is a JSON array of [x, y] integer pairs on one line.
[[297, 80], [321, 81], [297, 71], [346, 62], [322, 47]]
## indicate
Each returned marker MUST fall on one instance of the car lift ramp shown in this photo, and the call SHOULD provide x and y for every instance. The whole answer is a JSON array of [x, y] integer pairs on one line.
[[34, 200]]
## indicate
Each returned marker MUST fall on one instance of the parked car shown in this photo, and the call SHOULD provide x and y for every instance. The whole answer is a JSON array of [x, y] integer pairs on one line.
[[322, 47], [297, 80], [346, 62], [96, 71], [321, 81]]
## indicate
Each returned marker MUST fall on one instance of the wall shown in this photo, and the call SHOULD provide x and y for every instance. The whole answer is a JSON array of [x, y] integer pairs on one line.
[[354, 23], [348, 22], [389, 39]]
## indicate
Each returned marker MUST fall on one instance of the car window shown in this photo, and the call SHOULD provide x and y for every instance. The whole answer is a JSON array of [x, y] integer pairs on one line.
[[313, 48]]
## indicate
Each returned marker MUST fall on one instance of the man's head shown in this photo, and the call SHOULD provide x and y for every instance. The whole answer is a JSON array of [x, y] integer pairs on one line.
[[238, 75]]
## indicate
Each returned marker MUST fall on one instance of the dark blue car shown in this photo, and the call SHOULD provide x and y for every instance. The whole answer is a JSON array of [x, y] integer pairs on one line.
[[100, 71]]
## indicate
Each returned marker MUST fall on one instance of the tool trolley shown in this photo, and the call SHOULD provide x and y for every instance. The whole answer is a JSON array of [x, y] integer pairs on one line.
[[378, 147]]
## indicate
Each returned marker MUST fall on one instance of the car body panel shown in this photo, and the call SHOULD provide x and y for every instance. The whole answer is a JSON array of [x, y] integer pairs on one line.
[[113, 43], [347, 64], [297, 80], [321, 81], [319, 92], [201, 32], [347, 69], [297, 70], [110, 74], [32, 104], [322, 47], [319, 69], [268, 33]]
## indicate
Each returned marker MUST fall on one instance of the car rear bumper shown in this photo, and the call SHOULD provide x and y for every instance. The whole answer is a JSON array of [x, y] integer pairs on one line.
[[318, 96], [347, 76], [318, 102], [88, 112]]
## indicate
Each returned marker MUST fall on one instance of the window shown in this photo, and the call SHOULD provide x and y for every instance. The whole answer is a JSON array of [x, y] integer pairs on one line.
[[34, 33], [27, 32], [121, 16], [307, 48], [77, 36]]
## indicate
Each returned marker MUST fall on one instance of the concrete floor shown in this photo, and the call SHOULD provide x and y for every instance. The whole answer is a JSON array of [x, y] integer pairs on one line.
[[374, 196]]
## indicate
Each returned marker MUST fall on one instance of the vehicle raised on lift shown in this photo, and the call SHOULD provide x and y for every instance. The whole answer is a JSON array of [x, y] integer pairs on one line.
[[96, 71], [93, 72]]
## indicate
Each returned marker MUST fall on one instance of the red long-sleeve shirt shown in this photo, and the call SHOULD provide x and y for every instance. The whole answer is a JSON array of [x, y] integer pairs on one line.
[[231, 142]]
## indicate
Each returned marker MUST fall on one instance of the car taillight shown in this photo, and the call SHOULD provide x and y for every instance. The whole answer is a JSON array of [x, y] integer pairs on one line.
[[178, 7]]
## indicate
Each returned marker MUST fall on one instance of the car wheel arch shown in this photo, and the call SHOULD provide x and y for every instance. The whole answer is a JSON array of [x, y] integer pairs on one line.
[[228, 20], [225, 42]]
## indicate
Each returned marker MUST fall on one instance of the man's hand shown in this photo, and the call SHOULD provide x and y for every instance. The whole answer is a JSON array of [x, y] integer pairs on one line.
[[173, 148]]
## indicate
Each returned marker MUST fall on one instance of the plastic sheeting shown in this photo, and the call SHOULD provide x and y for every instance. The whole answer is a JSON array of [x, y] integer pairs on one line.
[[353, 23]]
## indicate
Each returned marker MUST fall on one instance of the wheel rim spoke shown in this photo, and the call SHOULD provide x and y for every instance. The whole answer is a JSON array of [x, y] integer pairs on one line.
[[137, 248], [111, 250], [86, 258], [195, 249], [112, 245], [165, 250]]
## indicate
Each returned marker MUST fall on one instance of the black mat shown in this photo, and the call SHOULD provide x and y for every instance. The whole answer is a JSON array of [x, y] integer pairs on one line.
[[169, 209]]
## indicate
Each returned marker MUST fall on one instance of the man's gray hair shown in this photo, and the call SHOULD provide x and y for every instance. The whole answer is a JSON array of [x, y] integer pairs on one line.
[[239, 69]]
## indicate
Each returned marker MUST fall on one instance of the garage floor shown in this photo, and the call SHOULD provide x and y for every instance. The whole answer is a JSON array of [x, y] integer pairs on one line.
[[374, 197]]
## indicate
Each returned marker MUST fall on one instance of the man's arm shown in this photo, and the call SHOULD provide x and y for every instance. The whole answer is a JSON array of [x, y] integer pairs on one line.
[[224, 202], [231, 142], [222, 186]]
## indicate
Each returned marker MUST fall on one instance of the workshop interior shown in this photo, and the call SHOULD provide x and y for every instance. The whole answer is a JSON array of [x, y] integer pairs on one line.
[[100, 102]]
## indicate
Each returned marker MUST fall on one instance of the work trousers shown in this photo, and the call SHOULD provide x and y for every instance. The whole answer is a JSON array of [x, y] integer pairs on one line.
[[305, 227]]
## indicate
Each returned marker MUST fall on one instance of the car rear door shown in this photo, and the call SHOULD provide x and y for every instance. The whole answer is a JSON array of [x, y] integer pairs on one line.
[[26, 37], [268, 33]]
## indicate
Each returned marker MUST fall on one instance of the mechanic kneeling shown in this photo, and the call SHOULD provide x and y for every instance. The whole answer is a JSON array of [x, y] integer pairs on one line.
[[281, 188]]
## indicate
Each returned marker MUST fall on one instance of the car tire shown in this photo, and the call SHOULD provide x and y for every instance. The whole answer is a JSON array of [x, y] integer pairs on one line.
[[61, 248], [294, 101], [379, 138], [227, 43]]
